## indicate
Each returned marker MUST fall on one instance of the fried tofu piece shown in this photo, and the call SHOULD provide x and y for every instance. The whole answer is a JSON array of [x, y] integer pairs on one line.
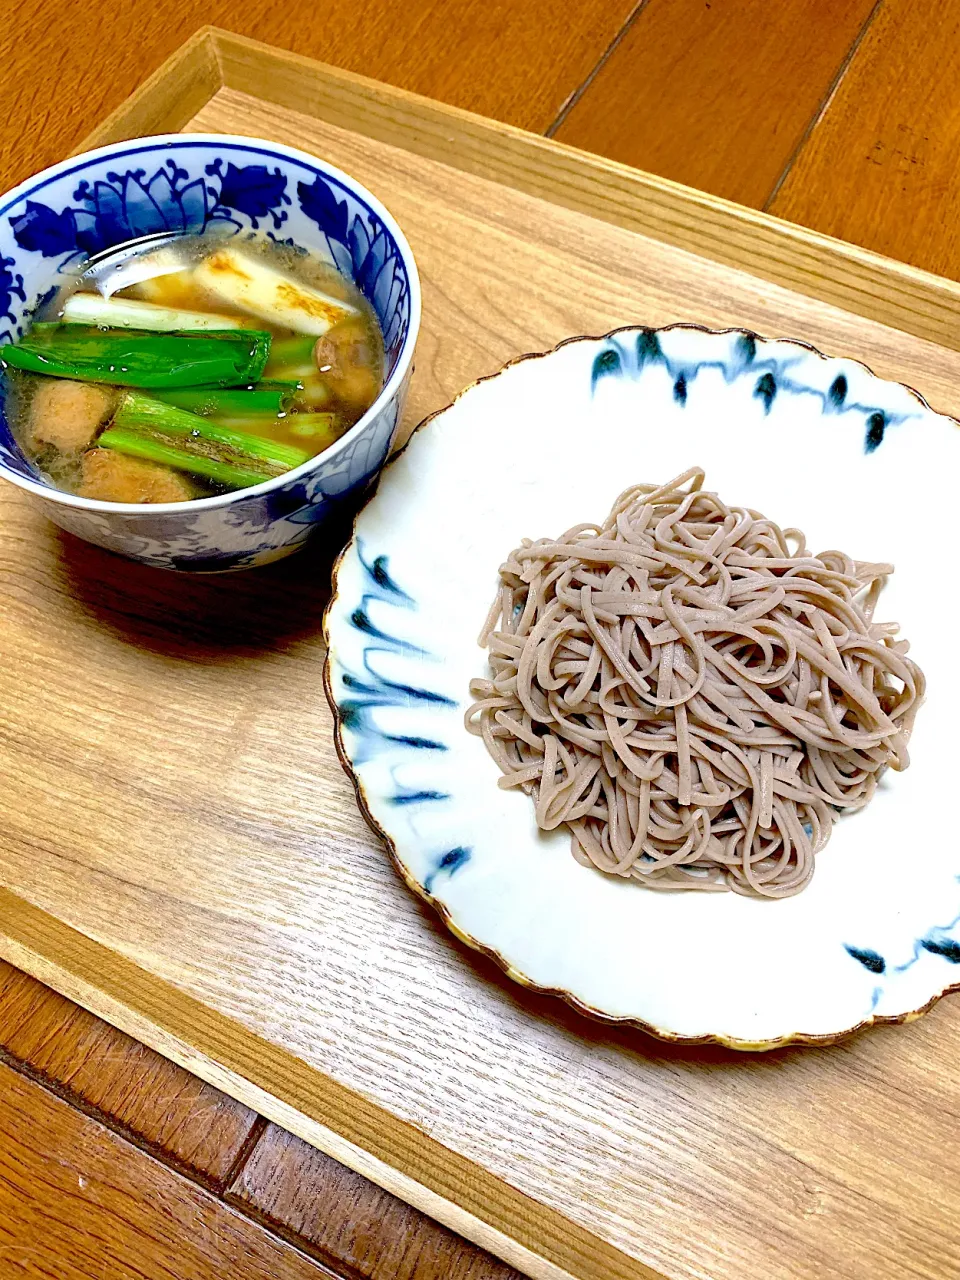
[[112, 477], [69, 414]]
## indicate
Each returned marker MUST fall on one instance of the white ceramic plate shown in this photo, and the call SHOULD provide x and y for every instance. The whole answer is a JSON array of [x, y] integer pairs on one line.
[[822, 444]]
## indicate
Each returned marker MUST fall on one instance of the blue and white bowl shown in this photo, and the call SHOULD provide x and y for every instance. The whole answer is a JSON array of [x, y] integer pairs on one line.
[[199, 184]]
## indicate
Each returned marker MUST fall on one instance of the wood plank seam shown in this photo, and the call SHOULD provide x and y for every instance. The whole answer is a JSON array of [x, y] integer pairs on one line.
[[243, 1155], [78, 1200], [120, 1076], [769, 248], [218, 1188], [250, 1163], [881, 167], [824, 106], [595, 70], [280, 1229]]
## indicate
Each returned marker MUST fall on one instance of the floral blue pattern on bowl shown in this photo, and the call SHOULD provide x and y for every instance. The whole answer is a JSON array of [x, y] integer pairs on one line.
[[814, 442], [236, 186]]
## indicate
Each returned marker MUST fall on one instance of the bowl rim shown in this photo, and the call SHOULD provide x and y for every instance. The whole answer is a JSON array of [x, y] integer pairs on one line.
[[156, 142]]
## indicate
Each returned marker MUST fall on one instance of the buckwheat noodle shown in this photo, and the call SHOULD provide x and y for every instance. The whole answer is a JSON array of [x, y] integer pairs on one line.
[[692, 692]]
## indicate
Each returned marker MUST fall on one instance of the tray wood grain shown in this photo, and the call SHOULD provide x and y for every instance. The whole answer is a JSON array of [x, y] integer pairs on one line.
[[856, 279], [183, 856]]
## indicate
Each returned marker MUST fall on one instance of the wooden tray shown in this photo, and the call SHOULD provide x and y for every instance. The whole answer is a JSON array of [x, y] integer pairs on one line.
[[183, 855]]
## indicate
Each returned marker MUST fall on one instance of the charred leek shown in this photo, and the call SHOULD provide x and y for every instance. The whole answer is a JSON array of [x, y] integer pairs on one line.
[[137, 445], [316, 429], [159, 432], [250, 285]]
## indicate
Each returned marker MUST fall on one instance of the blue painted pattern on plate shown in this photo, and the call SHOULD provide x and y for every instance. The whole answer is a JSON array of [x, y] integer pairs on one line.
[[771, 374], [372, 692]]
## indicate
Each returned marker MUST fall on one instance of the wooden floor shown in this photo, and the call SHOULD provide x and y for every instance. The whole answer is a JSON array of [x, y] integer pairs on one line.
[[843, 115]]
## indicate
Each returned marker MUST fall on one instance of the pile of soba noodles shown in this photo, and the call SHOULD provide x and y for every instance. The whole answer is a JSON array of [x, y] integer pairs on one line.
[[692, 692]]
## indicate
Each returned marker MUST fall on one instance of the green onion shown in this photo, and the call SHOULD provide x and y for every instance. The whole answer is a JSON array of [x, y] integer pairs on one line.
[[203, 436], [136, 358], [257, 423], [138, 445], [158, 432], [292, 358], [129, 313], [313, 426], [260, 400], [312, 393], [248, 284]]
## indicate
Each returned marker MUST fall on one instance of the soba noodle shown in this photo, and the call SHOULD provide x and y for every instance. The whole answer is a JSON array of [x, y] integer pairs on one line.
[[692, 692]]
